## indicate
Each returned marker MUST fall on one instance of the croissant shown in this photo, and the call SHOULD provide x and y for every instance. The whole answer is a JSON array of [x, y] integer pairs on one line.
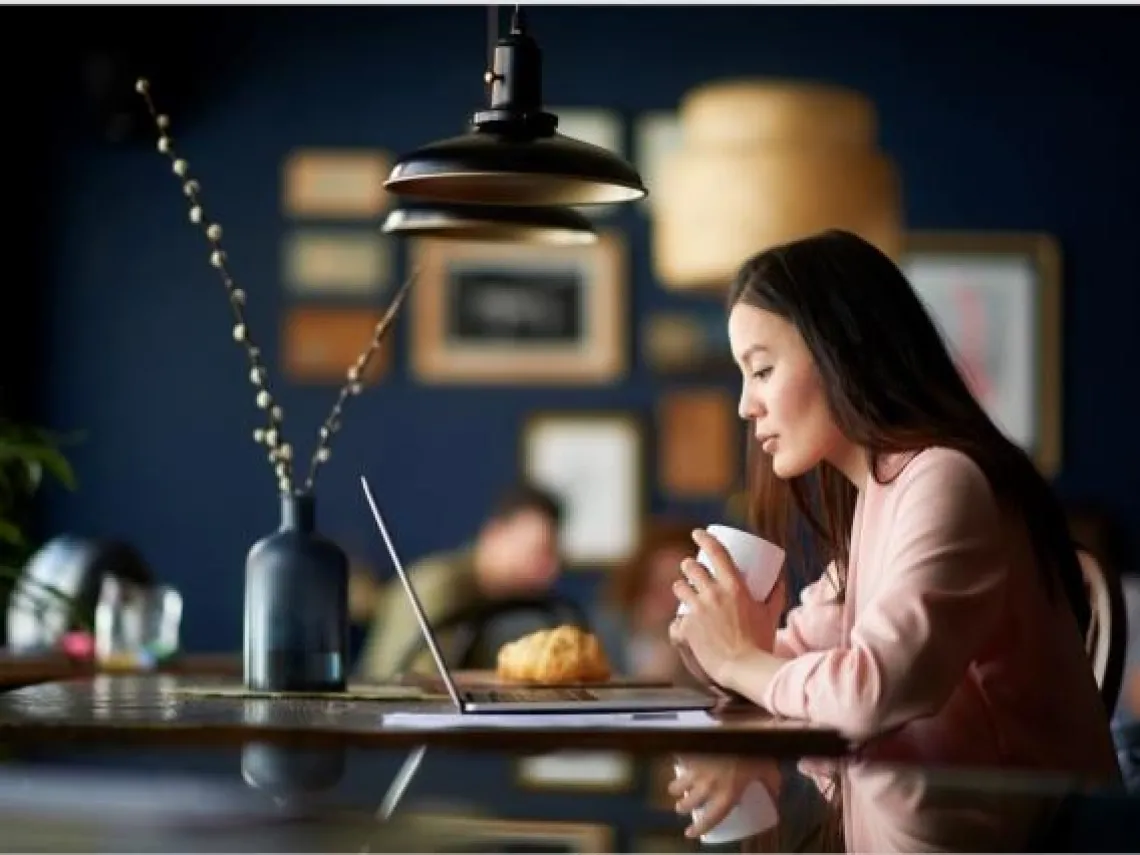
[[565, 654]]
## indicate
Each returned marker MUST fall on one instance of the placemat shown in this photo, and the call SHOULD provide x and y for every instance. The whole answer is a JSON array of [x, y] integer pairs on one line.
[[358, 692]]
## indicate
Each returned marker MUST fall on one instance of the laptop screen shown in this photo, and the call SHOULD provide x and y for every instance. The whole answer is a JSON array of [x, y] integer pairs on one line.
[[417, 607]]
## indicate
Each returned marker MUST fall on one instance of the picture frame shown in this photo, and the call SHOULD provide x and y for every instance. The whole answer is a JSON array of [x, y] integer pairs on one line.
[[335, 183], [502, 314], [598, 126], [594, 462], [336, 263], [996, 299], [668, 842], [576, 771], [699, 442], [656, 135], [320, 344], [691, 342], [495, 834]]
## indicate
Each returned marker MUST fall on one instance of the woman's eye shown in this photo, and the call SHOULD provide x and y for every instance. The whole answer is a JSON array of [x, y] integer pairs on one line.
[[762, 374]]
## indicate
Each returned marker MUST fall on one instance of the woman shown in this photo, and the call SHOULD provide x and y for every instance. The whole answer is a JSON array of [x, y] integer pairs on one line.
[[947, 629]]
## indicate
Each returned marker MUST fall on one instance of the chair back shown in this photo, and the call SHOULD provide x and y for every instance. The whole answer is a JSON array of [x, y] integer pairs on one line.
[[1107, 636]]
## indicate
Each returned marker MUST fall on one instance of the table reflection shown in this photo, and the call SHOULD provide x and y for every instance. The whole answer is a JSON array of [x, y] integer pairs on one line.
[[282, 772], [810, 806], [827, 806], [278, 797]]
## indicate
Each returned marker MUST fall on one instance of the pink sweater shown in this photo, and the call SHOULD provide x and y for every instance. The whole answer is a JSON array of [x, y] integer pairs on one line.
[[947, 648]]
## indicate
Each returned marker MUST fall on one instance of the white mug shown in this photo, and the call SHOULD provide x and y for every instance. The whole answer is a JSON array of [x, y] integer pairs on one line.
[[758, 560]]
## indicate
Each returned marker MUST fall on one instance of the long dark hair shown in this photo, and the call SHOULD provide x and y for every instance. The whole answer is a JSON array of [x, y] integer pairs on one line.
[[892, 386]]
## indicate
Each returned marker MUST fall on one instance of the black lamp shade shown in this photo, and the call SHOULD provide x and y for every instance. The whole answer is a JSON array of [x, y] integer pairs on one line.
[[551, 226], [494, 169], [513, 155]]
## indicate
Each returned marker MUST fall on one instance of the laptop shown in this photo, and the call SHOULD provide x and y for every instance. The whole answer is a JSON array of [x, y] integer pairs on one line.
[[538, 699]]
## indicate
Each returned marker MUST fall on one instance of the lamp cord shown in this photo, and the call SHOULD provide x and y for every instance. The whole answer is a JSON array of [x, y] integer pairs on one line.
[[492, 40]]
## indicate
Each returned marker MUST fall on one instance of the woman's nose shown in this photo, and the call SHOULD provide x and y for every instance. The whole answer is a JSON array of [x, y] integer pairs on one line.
[[749, 406]]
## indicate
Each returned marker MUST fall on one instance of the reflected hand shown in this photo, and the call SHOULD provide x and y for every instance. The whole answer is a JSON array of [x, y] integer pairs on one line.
[[714, 785]]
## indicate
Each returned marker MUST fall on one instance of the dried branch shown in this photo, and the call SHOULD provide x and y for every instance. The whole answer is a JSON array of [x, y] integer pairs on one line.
[[271, 436], [354, 382]]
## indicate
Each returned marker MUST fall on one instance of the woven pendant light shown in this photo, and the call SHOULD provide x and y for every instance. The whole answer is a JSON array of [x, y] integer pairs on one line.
[[764, 162]]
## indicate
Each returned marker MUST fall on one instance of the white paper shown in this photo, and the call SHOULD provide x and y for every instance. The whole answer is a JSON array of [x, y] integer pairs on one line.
[[553, 721]]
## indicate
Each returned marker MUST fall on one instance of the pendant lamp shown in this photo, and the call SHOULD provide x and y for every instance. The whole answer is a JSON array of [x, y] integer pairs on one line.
[[763, 162], [513, 154], [550, 226]]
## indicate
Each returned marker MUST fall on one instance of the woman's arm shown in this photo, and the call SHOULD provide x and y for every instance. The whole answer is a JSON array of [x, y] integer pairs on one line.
[[932, 605], [816, 623]]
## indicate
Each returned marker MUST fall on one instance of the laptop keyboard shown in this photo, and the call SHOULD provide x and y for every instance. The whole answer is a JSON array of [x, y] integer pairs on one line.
[[536, 694]]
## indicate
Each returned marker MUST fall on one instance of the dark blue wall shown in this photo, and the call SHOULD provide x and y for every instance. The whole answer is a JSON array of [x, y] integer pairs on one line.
[[997, 119]]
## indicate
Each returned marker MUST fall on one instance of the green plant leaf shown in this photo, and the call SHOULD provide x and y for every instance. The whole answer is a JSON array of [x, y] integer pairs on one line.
[[26, 455], [10, 534], [35, 458]]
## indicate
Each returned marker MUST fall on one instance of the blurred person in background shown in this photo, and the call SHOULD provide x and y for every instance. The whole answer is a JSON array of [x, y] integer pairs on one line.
[[638, 603], [514, 555]]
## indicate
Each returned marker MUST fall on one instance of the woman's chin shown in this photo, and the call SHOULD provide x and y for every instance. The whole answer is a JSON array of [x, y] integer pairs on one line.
[[782, 470], [785, 467]]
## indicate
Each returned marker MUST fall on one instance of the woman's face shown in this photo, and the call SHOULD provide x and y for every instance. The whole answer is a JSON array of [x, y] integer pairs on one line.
[[782, 394]]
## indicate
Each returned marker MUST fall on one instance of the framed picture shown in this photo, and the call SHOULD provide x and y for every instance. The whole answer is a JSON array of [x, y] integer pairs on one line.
[[596, 126], [335, 183], [492, 834], [594, 463], [996, 298], [656, 134], [699, 439], [318, 345], [519, 314], [576, 771], [690, 343], [336, 263], [671, 841]]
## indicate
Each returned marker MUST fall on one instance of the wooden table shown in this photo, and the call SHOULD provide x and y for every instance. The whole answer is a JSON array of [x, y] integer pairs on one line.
[[154, 709]]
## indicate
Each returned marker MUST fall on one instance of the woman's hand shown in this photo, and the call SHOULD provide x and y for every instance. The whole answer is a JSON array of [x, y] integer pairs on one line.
[[724, 624], [714, 785], [691, 664]]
